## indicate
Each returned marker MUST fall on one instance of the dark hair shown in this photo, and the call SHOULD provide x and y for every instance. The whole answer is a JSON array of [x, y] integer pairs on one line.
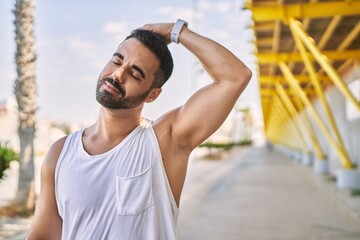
[[159, 47]]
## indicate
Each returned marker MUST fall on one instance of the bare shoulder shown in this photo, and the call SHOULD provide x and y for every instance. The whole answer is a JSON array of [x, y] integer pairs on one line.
[[47, 223], [53, 154], [175, 155], [164, 128], [173, 147], [164, 122]]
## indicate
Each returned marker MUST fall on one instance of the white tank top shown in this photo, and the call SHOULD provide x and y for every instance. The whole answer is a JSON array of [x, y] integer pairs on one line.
[[123, 193]]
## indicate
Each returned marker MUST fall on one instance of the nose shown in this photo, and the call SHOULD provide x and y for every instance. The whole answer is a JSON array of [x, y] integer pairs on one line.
[[118, 74]]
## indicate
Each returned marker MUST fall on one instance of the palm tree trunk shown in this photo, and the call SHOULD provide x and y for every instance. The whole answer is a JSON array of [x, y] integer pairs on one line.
[[25, 91]]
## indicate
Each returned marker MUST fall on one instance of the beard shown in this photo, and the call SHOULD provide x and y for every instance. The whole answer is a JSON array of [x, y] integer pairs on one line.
[[108, 100]]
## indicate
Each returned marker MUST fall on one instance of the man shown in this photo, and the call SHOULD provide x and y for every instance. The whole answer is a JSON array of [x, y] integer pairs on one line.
[[122, 177]]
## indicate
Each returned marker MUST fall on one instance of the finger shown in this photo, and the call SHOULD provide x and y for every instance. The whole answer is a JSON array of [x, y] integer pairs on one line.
[[146, 27]]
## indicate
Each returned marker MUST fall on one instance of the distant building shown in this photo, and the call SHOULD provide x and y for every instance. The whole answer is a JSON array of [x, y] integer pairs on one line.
[[8, 122], [46, 133]]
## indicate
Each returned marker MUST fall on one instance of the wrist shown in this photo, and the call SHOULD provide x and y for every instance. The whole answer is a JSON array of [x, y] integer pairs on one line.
[[177, 29]]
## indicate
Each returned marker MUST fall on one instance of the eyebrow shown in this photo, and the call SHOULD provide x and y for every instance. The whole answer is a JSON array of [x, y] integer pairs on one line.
[[134, 66]]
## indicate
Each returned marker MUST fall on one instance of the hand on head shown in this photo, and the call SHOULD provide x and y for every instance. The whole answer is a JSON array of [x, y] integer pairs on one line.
[[162, 29]]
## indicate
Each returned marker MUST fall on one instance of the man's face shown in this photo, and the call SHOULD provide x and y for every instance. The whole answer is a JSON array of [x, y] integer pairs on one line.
[[125, 82]]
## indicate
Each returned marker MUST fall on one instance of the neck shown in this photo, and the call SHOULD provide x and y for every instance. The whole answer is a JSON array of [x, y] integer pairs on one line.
[[114, 124]]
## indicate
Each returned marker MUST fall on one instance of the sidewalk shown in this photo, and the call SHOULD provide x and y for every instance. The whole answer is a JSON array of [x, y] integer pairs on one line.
[[260, 195], [11, 228], [14, 228], [253, 194]]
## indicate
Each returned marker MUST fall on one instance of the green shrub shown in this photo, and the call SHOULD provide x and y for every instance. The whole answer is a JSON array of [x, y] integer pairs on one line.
[[225, 146], [244, 142], [6, 156], [355, 192]]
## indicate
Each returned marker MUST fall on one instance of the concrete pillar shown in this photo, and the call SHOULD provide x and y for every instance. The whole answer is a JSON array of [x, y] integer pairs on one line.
[[321, 166], [298, 156], [293, 154], [269, 146], [290, 153], [307, 159], [287, 152], [348, 178]]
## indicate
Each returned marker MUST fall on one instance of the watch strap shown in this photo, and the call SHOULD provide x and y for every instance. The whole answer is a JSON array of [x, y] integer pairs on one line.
[[175, 32]]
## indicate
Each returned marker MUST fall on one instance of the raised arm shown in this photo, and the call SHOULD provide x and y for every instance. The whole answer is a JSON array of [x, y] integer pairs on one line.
[[46, 223], [208, 108]]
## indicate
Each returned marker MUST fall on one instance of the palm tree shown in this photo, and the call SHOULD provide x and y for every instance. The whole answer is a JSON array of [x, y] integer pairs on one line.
[[25, 91]]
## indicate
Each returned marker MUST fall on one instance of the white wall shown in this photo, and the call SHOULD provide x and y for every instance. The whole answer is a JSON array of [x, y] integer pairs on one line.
[[349, 129]]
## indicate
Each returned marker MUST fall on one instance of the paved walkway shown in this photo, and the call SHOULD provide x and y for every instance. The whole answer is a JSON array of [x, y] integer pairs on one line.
[[252, 194], [260, 195]]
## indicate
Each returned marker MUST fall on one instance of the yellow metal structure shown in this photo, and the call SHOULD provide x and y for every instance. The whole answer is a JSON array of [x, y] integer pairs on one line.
[[303, 50], [280, 117], [339, 150], [303, 79], [300, 120], [310, 10], [315, 82], [295, 57], [323, 61]]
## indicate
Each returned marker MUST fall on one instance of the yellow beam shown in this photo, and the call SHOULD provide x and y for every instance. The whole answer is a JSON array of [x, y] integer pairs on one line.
[[267, 26], [346, 42], [323, 62], [309, 10], [350, 37], [301, 78], [340, 151], [275, 44], [286, 133], [345, 65], [265, 58], [297, 117], [292, 125], [271, 92], [306, 22], [315, 82], [306, 120], [329, 31], [264, 41]]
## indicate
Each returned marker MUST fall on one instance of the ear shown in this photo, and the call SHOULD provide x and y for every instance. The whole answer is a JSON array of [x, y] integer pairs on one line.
[[154, 93]]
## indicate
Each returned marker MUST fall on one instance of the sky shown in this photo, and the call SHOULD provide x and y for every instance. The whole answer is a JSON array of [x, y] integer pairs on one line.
[[75, 39]]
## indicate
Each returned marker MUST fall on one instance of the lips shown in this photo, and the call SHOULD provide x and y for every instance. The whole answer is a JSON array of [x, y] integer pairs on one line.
[[113, 86]]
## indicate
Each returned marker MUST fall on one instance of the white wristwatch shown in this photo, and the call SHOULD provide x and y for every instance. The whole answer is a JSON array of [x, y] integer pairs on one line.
[[175, 32]]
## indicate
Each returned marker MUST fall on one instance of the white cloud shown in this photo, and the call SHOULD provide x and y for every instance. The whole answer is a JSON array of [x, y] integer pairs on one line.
[[49, 43], [223, 7], [78, 43], [220, 34], [184, 13], [239, 20], [7, 74], [7, 78], [203, 5], [75, 43], [85, 49], [220, 7], [165, 10], [118, 28]]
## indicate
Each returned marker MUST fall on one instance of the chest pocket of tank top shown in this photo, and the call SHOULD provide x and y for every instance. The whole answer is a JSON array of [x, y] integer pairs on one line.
[[134, 194]]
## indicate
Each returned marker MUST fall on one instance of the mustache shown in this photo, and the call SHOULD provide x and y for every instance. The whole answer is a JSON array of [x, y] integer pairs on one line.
[[116, 84]]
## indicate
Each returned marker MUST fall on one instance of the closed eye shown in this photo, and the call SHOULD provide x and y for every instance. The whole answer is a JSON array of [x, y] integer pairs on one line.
[[134, 74], [115, 60]]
